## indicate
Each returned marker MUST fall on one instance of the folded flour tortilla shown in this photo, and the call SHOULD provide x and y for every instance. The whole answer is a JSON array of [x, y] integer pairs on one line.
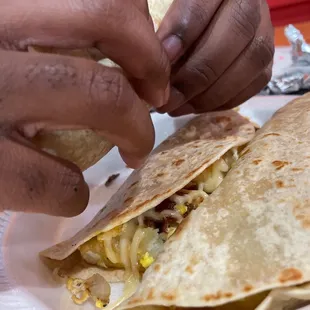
[[125, 237], [85, 147], [248, 245]]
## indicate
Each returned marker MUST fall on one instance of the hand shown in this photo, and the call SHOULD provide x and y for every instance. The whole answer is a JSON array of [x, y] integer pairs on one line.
[[42, 91], [222, 53]]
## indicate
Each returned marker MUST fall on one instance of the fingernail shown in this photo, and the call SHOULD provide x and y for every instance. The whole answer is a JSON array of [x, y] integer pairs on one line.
[[162, 98], [177, 98], [173, 46]]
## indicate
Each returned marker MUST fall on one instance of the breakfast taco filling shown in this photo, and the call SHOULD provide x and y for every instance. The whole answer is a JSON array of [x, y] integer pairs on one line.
[[135, 245]]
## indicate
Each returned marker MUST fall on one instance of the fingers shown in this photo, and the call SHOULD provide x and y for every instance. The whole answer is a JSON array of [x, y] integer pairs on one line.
[[227, 86], [250, 64], [249, 91], [71, 93], [228, 57], [184, 23], [231, 30], [33, 181], [120, 29]]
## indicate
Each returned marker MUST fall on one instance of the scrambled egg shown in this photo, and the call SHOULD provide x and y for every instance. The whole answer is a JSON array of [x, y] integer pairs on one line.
[[78, 290], [81, 292], [181, 208], [147, 260], [100, 304]]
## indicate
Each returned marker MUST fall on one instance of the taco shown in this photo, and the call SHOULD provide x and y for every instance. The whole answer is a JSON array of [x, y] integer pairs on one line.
[[127, 235], [86, 147], [247, 246]]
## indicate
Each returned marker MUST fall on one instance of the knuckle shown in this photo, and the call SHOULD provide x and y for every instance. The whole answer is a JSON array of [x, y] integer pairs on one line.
[[198, 11], [195, 77], [156, 70], [204, 70], [105, 92], [246, 17], [193, 14], [102, 16], [261, 51]]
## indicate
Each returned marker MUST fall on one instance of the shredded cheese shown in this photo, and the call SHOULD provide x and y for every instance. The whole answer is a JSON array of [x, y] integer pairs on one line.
[[99, 304], [111, 254], [190, 197]]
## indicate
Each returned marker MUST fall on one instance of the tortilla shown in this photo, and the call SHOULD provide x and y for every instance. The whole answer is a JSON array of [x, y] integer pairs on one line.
[[251, 236], [184, 156], [85, 147]]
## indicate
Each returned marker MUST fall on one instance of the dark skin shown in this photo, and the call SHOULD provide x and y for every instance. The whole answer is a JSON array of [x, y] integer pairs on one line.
[[220, 52]]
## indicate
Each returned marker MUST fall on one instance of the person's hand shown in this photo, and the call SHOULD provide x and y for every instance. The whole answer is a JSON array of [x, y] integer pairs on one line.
[[222, 53], [42, 91]]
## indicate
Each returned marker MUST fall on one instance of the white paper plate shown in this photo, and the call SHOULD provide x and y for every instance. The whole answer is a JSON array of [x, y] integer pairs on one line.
[[24, 281]]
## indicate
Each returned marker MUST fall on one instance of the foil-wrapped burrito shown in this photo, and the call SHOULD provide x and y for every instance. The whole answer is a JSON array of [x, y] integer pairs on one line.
[[295, 78]]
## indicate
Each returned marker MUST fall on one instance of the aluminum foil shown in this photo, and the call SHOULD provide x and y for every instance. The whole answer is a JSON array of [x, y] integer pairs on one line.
[[296, 78]]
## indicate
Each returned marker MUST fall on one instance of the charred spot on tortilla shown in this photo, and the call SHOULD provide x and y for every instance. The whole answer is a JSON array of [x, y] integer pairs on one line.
[[168, 296], [111, 179], [189, 269], [290, 274], [279, 184], [161, 174], [272, 134], [279, 164], [157, 267], [178, 162], [257, 161], [215, 296], [248, 288], [150, 295]]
